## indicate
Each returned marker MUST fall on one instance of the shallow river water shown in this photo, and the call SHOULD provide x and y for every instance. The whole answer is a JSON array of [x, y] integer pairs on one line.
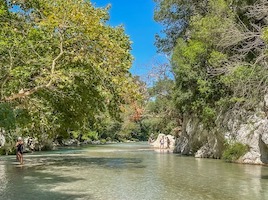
[[128, 172]]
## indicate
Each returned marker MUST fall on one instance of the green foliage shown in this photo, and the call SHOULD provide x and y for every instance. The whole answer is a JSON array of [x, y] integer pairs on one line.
[[265, 34], [75, 134], [215, 67], [7, 116], [92, 135], [196, 91], [62, 66], [216, 58], [194, 51], [234, 151], [175, 16], [8, 149], [160, 114], [238, 74], [209, 115]]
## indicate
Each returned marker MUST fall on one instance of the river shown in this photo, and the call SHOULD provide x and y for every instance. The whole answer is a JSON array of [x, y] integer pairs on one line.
[[131, 171]]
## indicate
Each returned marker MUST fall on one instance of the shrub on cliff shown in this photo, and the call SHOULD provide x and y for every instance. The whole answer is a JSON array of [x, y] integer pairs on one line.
[[234, 151]]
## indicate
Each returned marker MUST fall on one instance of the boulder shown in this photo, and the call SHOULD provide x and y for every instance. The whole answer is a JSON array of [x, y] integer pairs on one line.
[[204, 152], [156, 143]]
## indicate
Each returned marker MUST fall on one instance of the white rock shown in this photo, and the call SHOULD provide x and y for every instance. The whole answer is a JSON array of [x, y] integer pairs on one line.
[[2, 140], [156, 143]]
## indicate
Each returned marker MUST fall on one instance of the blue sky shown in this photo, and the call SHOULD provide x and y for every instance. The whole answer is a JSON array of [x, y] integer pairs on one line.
[[137, 18]]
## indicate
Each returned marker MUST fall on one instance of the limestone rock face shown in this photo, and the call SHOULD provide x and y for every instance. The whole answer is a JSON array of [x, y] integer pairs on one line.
[[254, 133], [204, 152], [195, 139], [266, 100], [211, 149], [249, 128], [251, 131], [183, 146], [2, 140]]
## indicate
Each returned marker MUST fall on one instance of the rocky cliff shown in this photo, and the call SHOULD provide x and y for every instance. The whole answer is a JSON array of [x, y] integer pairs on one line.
[[246, 127]]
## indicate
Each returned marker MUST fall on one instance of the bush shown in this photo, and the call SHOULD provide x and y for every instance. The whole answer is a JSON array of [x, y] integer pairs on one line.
[[103, 141], [7, 150], [2, 151], [90, 135], [234, 152]]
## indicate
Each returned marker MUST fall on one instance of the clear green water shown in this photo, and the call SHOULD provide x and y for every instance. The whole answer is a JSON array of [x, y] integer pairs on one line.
[[128, 172]]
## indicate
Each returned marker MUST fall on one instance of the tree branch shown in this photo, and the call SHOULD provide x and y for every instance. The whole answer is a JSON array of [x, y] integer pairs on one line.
[[54, 62], [24, 93]]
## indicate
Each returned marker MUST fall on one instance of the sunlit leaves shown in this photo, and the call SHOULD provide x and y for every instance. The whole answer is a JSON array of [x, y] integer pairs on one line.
[[265, 34], [219, 57], [62, 63]]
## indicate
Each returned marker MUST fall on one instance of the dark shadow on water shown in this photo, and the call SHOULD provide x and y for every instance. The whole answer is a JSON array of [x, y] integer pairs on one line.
[[45, 195], [264, 177], [37, 178], [25, 183], [76, 161]]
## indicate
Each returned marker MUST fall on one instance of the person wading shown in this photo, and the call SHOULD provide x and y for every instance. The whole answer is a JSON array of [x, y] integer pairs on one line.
[[168, 143], [162, 141], [19, 150]]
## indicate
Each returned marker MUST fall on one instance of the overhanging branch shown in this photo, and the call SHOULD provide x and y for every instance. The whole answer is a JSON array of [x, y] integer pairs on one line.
[[24, 93]]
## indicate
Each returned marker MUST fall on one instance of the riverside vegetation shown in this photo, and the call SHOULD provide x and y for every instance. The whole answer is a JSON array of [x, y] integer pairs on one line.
[[218, 55], [64, 74]]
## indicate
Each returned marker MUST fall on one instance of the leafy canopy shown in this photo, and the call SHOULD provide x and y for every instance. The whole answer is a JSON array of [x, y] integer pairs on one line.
[[62, 63]]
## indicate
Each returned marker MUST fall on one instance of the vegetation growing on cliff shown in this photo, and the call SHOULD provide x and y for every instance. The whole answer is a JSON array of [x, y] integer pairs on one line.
[[234, 151], [218, 53]]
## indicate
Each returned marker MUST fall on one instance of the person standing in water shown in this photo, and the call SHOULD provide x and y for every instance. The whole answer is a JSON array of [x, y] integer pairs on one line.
[[19, 150], [168, 143], [162, 141]]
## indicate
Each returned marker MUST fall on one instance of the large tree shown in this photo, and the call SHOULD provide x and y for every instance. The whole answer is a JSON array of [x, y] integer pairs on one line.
[[218, 53], [62, 63]]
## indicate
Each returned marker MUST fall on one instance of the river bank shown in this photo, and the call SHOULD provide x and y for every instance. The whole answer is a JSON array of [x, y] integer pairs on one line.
[[34, 145]]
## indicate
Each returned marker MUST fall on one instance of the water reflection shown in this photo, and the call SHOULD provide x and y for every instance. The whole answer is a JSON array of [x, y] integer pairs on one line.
[[3, 178]]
